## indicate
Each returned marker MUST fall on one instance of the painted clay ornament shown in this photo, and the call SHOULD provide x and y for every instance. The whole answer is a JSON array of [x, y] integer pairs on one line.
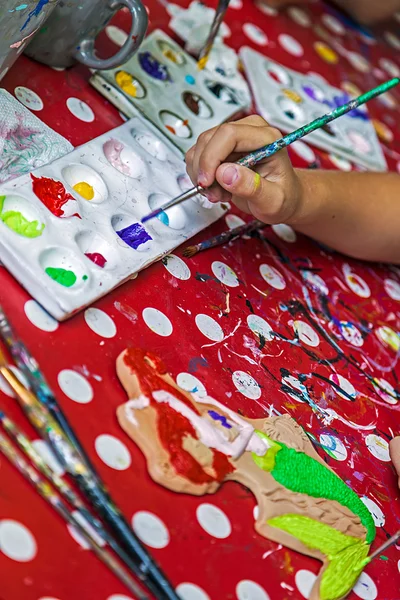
[[194, 444]]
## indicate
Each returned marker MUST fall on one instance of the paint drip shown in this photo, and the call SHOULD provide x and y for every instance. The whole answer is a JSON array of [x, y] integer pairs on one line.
[[62, 276], [84, 189], [153, 67], [134, 235], [54, 196], [97, 258], [16, 221]]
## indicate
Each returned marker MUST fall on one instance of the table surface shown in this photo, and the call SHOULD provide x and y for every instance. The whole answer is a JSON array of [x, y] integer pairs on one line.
[[346, 315]]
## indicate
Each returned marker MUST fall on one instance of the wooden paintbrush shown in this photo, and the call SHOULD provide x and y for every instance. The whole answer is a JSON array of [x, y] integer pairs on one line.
[[223, 238], [215, 27]]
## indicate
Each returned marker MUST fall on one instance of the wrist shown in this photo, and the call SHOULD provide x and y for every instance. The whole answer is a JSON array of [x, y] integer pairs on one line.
[[308, 196]]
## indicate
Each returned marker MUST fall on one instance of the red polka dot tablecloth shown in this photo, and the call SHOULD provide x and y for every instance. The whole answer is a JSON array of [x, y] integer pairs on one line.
[[267, 325]]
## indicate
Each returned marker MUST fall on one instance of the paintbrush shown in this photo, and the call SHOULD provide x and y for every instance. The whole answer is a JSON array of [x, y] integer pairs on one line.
[[215, 26], [223, 238], [392, 540], [54, 500], [251, 159], [146, 568]]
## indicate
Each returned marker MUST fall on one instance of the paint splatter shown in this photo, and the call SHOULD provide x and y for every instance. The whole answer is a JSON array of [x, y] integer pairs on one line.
[[97, 258], [16, 221], [62, 276], [84, 189], [53, 195], [35, 12], [217, 417], [134, 235]]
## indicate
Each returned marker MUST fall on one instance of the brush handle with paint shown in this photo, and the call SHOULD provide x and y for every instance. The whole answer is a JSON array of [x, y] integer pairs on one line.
[[215, 27]]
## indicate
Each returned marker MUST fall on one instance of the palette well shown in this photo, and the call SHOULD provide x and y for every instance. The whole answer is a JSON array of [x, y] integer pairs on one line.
[[288, 100], [162, 82], [70, 231]]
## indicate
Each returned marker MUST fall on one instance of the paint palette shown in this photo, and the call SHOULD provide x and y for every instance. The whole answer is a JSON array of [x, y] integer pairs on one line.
[[288, 100], [163, 83], [70, 231]]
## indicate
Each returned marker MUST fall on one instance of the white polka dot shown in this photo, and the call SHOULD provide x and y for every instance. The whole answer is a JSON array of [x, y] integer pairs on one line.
[[388, 337], [333, 24], [375, 510], [236, 4], [113, 452], [157, 321], [255, 34], [225, 274], [306, 333], [39, 317], [273, 277], [190, 383], [190, 591], [16, 541], [315, 281], [28, 98], [341, 163], [150, 529], [305, 581], [250, 590], [355, 282], [49, 598], [119, 597], [80, 110], [333, 446], [390, 67], [234, 221], [304, 151], [285, 232], [267, 10], [358, 62], [100, 322], [260, 327], [75, 386], [299, 16], [392, 39], [176, 266], [392, 288], [246, 385], [213, 520], [209, 327], [378, 447], [351, 334], [345, 384], [76, 534], [385, 390], [291, 45], [365, 588], [116, 35], [48, 456]]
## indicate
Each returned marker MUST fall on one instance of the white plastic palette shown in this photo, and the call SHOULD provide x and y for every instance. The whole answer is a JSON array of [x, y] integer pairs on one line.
[[288, 100], [68, 261], [163, 83]]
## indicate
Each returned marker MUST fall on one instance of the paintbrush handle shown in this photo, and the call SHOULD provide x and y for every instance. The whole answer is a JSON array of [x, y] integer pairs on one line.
[[215, 26]]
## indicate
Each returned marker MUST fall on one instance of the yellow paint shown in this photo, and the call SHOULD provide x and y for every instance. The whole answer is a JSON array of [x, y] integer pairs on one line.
[[389, 337], [84, 189], [326, 53], [351, 89], [294, 96], [383, 131], [125, 82], [257, 181], [202, 62], [172, 56]]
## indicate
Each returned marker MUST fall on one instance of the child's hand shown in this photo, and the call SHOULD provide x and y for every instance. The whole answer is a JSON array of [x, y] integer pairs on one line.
[[271, 192]]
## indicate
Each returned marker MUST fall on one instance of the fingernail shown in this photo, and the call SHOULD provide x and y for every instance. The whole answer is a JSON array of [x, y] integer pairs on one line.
[[202, 178], [230, 175]]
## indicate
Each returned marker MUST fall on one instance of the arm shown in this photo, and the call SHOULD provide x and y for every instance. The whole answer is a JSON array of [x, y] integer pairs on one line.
[[354, 213]]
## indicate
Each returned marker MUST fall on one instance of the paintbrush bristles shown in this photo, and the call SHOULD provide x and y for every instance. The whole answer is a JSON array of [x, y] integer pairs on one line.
[[190, 251]]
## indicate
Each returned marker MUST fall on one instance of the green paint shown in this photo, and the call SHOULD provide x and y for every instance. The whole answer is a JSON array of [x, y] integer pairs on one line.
[[16, 221], [266, 462], [383, 557], [347, 555], [62, 276], [300, 473], [84, 277]]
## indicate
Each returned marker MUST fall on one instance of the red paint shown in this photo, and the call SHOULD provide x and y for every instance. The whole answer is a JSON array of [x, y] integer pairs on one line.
[[171, 129], [97, 258], [53, 194], [172, 427]]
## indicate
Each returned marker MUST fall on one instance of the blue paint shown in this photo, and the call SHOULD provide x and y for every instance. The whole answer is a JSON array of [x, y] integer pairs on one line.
[[217, 417], [134, 235], [163, 217], [190, 79], [153, 67], [35, 12], [196, 362], [18, 8]]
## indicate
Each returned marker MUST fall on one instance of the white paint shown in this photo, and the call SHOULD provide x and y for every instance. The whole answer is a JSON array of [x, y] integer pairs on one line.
[[100, 322], [304, 151], [306, 333], [333, 446], [285, 232], [341, 163], [355, 282], [390, 67], [260, 327], [267, 10], [137, 404], [39, 317], [365, 588], [385, 390], [358, 62], [80, 110], [116, 35], [234, 221], [113, 452], [250, 590], [315, 281], [157, 321], [305, 581], [246, 385], [209, 327], [273, 277], [225, 274], [375, 510], [333, 24], [299, 16], [256, 512], [351, 334], [345, 384], [16, 541], [392, 287], [255, 34], [392, 39], [150, 529], [47, 454], [190, 383], [177, 267], [77, 535], [75, 386], [190, 591], [291, 45], [29, 98], [214, 521], [236, 4], [378, 447]]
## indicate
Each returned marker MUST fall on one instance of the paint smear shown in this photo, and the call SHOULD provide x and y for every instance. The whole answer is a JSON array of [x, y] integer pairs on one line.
[[134, 235], [153, 67], [16, 221], [97, 258], [84, 189], [35, 12], [125, 82], [62, 276], [53, 195]]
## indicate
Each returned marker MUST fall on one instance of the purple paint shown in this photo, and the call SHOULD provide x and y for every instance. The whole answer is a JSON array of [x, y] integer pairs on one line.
[[134, 235], [217, 417], [153, 67]]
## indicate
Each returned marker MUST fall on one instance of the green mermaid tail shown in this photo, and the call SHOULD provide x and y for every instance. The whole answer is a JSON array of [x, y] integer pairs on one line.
[[347, 555]]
